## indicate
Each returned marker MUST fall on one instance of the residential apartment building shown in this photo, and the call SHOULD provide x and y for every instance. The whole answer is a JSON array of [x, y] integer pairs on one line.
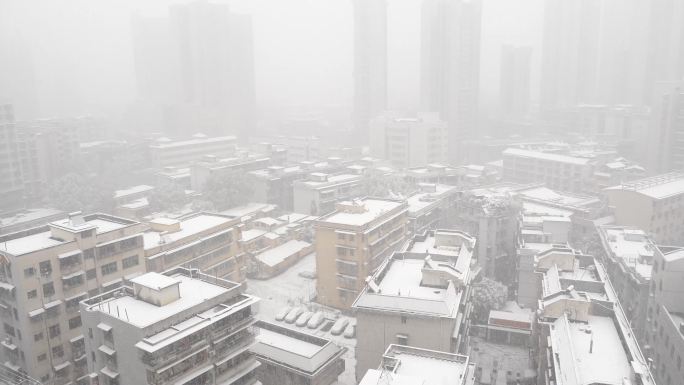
[[654, 204], [584, 336], [208, 242], [292, 357], [666, 135], [180, 327], [557, 171], [166, 152], [628, 254], [46, 272], [431, 206], [211, 166], [318, 193], [28, 218], [665, 335], [401, 365], [352, 242], [418, 297], [408, 142]]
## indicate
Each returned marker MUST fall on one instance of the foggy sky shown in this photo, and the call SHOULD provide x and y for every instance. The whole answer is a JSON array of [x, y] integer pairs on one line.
[[81, 50]]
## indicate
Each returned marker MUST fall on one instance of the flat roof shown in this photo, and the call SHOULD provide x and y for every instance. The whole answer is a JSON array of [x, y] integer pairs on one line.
[[278, 254], [631, 245], [546, 156], [190, 142], [249, 209], [29, 215], [193, 292], [331, 180], [420, 367], [132, 190], [189, 227], [421, 200], [155, 281], [656, 187], [589, 353], [29, 244], [374, 209]]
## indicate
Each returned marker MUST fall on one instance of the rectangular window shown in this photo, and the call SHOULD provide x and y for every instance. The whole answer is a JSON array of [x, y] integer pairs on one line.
[[32, 294], [91, 274], [130, 262], [89, 253], [29, 272], [75, 322], [42, 357], [402, 339], [9, 329], [48, 289], [58, 351], [38, 336], [109, 268], [54, 331], [45, 268]]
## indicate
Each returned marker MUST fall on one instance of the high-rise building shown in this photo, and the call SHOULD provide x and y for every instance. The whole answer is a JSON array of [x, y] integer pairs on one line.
[[197, 67], [180, 327], [569, 54], [370, 63], [352, 242], [450, 65], [515, 81], [408, 142], [665, 45], [12, 187], [46, 272], [666, 134]]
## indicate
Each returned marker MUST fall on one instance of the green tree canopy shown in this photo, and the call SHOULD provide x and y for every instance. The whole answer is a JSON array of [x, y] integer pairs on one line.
[[226, 190]]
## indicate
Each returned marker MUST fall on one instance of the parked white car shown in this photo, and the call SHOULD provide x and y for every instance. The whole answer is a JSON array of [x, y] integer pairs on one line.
[[283, 313], [339, 326], [316, 320], [293, 315], [304, 318]]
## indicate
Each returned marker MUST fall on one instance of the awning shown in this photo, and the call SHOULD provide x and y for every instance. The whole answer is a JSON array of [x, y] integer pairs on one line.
[[73, 275], [109, 373], [35, 313], [6, 286], [79, 295], [104, 327], [61, 366], [52, 304], [107, 350], [69, 254], [76, 339]]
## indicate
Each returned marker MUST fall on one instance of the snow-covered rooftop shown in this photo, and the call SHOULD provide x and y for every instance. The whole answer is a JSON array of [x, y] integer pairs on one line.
[[330, 180], [589, 353], [29, 215], [419, 201], [372, 210], [546, 156], [294, 348], [188, 227], [127, 308], [249, 209], [278, 254], [413, 366], [194, 141], [657, 187], [132, 190], [631, 245], [29, 244]]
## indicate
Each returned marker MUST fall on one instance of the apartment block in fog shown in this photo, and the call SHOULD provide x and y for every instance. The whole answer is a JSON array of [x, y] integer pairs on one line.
[[352, 242], [180, 327], [408, 142], [208, 242], [166, 152], [654, 204], [557, 171], [46, 272], [418, 297], [317, 194]]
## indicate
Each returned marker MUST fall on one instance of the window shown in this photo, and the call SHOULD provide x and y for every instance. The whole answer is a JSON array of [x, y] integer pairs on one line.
[[8, 329], [89, 253], [29, 272], [38, 336], [341, 236], [87, 234], [48, 289], [130, 262], [54, 331], [90, 333], [109, 268], [91, 274], [75, 322], [58, 351], [402, 339], [42, 357], [32, 294], [45, 268]]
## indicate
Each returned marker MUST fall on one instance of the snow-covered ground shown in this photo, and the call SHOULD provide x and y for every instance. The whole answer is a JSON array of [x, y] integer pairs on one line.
[[291, 289]]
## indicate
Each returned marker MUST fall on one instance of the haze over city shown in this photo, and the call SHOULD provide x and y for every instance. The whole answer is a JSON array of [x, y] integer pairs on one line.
[[342, 192]]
